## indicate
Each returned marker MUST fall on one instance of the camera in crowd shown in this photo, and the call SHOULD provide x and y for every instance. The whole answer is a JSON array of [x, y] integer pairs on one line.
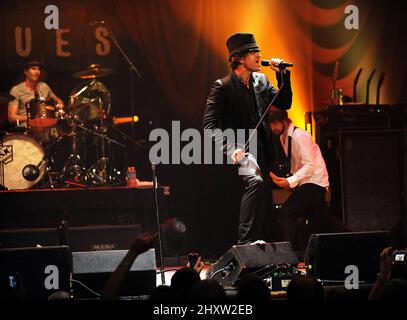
[[399, 256], [192, 259], [399, 264]]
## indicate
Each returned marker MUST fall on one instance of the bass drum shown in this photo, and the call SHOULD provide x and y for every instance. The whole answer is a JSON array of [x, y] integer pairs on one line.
[[22, 161]]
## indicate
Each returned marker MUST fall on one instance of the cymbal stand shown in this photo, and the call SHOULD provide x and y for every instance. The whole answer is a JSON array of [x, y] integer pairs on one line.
[[73, 169], [48, 169], [99, 170], [100, 173]]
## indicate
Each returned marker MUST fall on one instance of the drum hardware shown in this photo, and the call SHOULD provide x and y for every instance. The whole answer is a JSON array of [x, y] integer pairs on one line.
[[89, 101], [101, 173], [22, 161], [74, 169], [31, 172], [51, 179], [41, 113], [138, 143], [54, 178], [89, 105], [93, 71], [36, 153]]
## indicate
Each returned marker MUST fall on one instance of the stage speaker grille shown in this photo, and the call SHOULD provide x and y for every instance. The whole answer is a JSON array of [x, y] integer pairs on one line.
[[368, 177], [241, 259]]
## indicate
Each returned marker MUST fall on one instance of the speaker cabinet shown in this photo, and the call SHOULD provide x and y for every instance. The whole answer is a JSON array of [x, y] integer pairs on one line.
[[34, 273], [241, 259], [367, 175], [90, 238], [95, 267], [327, 255]]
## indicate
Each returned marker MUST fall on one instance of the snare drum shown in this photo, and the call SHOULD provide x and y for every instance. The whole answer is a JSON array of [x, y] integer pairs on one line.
[[22, 161], [41, 113]]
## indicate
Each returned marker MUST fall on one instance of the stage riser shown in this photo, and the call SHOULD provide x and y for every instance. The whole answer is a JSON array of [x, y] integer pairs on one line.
[[81, 207]]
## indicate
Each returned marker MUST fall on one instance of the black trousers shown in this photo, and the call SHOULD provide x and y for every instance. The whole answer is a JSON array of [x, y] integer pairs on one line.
[[255, 203], [307, 201], [253, 208]]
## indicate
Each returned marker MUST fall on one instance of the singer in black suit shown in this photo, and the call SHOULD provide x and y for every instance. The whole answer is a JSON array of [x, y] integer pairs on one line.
[[238, 101], [28, 90]]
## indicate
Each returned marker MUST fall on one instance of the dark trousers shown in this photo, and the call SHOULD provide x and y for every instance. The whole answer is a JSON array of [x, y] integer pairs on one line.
[[307, 201], [255, 202], [253, 208]]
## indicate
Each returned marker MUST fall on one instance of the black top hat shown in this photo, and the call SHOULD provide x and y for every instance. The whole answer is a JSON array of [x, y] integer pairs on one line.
[[33, 63], [241, 42]]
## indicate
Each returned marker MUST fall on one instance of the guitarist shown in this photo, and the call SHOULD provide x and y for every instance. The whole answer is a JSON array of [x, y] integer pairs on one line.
[[309, 180]]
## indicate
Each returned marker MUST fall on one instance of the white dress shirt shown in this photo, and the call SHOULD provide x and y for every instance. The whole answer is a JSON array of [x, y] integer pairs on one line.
[[307, 163]]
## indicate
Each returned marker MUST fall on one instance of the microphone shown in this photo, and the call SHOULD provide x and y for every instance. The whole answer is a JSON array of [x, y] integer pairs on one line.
[[281, 65]]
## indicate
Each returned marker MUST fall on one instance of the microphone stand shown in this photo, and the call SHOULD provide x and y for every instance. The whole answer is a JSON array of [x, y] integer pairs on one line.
[[266, 111], [132, 69], [158, 225]]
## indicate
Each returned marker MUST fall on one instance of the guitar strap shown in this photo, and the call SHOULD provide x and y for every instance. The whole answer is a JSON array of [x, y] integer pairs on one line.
[[289, 146]]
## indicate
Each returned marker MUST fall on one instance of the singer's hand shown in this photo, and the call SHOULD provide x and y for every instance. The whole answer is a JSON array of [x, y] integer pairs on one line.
[[274, 63], [238, 155]]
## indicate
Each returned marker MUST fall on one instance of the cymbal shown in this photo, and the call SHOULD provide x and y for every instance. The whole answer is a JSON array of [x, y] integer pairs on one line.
[[6, 98], [93, 71]]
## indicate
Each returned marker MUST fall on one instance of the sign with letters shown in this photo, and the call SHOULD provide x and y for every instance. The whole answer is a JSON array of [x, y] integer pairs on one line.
[[29, 34]]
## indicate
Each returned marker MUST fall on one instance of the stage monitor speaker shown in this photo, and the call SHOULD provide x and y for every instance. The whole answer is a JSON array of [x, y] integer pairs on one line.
[[241, 259], [328, 254], [34, 273], [89, 238], [94, 268]]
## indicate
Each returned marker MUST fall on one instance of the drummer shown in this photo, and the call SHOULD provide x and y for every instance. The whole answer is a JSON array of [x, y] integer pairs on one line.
[[27, 90]]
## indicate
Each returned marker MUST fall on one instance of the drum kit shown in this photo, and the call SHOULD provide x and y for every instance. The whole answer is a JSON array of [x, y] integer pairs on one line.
[[31, 157]]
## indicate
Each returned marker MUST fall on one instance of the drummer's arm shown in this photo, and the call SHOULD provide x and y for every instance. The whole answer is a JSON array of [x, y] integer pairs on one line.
[[59, 101], [13, 115]]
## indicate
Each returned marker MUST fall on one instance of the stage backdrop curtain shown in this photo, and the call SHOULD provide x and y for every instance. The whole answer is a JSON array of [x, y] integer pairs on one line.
[[184, 44]]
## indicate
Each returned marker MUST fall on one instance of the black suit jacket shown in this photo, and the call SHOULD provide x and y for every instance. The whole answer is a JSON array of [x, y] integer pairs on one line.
[[226, 109]]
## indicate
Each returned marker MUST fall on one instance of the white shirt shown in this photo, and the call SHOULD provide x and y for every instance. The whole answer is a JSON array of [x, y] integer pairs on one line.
[[307, 163]]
